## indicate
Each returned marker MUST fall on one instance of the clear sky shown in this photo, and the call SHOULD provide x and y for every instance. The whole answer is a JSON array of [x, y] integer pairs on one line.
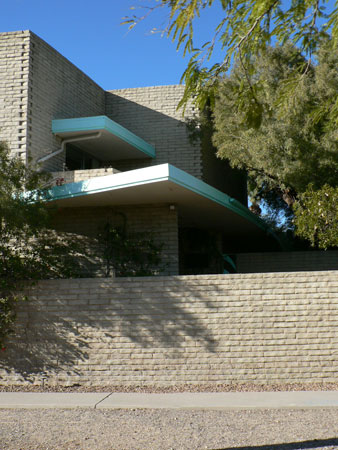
[[89, 34]]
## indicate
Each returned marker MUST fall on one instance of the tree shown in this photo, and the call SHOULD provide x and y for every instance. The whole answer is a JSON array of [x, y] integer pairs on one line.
[[317, 216], [246, 28], [287, 146], [29, 250], [298, 115]]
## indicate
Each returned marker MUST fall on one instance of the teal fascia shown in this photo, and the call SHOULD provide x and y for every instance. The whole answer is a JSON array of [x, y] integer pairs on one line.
[[97, 123], [188, 181], [153, 174]]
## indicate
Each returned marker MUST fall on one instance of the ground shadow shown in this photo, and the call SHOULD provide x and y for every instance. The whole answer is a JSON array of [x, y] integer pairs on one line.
[[315, 443]]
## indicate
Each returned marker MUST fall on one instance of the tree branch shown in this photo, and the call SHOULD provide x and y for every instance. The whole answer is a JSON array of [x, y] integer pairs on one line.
[[254, 25]]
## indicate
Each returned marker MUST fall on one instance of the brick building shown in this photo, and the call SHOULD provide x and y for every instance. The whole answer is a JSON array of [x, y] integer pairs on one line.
[[123, 153]]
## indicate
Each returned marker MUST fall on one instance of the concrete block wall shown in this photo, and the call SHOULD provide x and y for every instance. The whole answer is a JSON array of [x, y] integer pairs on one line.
[[151, 113], [57, 90], [70, 176], [38, 84], [251, 328], [287, 261], [156, 220], [14, 81]]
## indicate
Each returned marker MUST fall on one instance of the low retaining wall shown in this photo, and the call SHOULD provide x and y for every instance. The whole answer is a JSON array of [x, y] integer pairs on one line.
[[250, 328]]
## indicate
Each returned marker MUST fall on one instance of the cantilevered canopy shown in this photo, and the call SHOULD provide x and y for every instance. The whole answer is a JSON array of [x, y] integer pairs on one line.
[[198, 204], [106, 139]]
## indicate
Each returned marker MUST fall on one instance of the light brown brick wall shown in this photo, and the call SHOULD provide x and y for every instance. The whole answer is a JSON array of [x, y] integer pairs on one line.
[[261, 328], [151, 113], [156, 220], [38, 84], [57, 90], [70, 176], [14, 69]]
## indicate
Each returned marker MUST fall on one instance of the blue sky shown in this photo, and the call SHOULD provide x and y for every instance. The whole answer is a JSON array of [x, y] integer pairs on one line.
[[89, 34]]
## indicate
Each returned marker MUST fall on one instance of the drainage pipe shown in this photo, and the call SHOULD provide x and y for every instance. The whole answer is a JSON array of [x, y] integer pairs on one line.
[[84, 137]]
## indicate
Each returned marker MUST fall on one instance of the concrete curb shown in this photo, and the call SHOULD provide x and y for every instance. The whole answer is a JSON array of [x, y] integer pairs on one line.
[[32, 400], [220, 401]]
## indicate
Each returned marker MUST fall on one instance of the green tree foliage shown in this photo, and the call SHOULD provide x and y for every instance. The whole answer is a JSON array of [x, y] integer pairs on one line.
[[245, 29], [285, 146], [28, 249], [277, 113], [317, 216]]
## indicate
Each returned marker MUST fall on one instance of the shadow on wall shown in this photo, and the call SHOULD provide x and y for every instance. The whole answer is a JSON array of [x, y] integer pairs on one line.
[[167, 323], [172, 139], [43, 341], [169, 135], [62, 332]]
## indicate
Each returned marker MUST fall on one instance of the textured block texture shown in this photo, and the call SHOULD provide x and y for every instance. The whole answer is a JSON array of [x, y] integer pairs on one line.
[[37, 85], [14, 84], [70, 176], [262, 328], [151, 113], [156, 221], [57, 90]]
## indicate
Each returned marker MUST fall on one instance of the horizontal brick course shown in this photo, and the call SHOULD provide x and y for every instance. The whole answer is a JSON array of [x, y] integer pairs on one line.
[[156, 221], [151, 113], [14, 63], [58, 90], [177, 330]]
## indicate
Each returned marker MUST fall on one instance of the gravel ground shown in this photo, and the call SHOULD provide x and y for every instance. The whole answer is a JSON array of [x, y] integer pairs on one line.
[[84, 429], [177, 388]]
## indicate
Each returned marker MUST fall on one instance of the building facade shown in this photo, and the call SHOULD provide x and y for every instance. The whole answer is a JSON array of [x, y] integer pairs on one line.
[[123, 153]]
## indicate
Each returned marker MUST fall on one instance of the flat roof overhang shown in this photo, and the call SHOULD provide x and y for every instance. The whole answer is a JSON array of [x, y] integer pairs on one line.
[[107, 140], [198, 204]]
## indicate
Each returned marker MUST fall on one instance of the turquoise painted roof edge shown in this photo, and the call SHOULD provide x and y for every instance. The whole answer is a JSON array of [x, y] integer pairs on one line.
[[170, 173], [80, 188], [200, 187], [100, 123]]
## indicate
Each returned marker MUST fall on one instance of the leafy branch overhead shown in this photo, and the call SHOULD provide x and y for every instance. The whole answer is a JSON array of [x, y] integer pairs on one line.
[[317, 216], [274, 108], [290, 143], [245, 29], [287, 147]]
